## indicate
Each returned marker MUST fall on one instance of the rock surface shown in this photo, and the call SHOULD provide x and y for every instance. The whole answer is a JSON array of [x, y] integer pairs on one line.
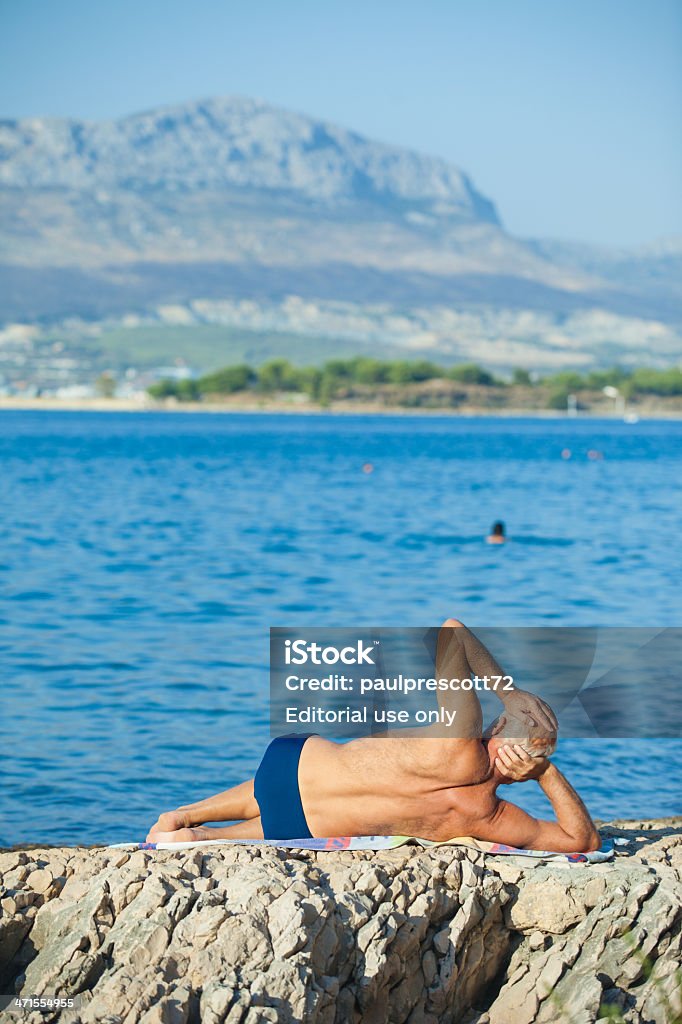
[[250, 934]]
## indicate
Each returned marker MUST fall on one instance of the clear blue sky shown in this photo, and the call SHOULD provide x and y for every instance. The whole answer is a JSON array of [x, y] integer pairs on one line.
[[566, 114]]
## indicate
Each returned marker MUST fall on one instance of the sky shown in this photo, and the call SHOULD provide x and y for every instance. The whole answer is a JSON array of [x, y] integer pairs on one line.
[[566, 114]]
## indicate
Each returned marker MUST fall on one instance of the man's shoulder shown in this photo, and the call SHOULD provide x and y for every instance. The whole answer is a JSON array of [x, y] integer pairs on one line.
[[468, 754]]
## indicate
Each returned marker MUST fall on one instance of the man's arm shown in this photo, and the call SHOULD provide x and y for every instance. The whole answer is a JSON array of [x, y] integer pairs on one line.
[[572, 832], [461, 653], [452, 662]]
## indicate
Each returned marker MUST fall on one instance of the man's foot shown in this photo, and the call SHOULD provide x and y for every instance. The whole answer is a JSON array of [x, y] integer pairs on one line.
[[178, 835], [169, 821]]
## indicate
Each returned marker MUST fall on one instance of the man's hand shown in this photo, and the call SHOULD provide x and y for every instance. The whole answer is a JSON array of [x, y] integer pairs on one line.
[[518, 766], [169, 821], [528, 708]]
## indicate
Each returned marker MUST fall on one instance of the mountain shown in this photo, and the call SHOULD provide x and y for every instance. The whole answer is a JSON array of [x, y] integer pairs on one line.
[[233, 198], [232, 143], [654, 269]]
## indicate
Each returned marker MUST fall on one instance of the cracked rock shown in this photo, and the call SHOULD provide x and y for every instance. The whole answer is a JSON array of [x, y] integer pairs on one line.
[[239, 935]]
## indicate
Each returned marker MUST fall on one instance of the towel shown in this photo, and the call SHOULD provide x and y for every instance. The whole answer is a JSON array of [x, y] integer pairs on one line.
[[384, 843]]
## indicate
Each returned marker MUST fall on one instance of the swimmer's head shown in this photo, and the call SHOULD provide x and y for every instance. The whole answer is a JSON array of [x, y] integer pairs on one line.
[[496, 535]]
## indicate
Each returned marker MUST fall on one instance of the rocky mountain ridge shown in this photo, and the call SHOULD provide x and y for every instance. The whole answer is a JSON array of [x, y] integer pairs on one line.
[[235, 199], [231, 141]]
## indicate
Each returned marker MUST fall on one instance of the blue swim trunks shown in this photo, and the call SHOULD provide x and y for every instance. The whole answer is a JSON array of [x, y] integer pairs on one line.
[[276, 790]]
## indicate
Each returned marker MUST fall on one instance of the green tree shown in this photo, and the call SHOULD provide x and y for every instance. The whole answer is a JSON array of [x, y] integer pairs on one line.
[[561, 385], [309, 379], [567, 381], [187, 390], [422, 369], [328, 388], [339, 369], [598, 379], [399, 372], [277, 375], [164, 388], [558, 399], [364, 370], [413, 371], [657, 382], [471, 373], [227, 380], [521, 376]]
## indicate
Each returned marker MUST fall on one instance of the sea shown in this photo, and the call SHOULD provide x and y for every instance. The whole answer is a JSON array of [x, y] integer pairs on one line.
[[145, 556]]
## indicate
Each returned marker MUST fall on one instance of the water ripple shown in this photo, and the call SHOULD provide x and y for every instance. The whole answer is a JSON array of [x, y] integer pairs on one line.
[[144, 559]]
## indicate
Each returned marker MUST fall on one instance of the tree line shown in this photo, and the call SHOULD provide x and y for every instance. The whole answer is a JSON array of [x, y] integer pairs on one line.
[[344, 376]]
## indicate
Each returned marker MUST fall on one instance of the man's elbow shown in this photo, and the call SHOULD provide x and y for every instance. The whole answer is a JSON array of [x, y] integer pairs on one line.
[[452, 624], [591, 841]]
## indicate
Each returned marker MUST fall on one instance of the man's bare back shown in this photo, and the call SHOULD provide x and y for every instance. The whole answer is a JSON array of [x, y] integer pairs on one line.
[[391, 786]]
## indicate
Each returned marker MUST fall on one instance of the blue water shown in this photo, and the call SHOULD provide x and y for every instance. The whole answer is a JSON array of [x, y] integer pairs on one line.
[[144, 556]]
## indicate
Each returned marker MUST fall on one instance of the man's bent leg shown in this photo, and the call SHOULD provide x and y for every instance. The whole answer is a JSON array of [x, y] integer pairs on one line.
[[235, 804]]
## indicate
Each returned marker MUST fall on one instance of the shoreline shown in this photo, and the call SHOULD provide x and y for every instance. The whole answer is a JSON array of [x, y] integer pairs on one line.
[[123, 405]]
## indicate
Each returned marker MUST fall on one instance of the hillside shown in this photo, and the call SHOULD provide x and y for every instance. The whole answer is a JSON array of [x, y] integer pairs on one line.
[[231, 200], [242, 184]]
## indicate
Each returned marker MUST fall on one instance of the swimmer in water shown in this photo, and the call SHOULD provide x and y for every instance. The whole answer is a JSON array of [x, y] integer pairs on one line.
[[496, 535]]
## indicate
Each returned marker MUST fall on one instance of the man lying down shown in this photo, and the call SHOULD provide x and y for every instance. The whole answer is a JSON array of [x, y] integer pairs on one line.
[[416, 783]]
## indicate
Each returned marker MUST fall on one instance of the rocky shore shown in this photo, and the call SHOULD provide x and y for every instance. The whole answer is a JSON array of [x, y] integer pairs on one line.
[[255, 934]]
